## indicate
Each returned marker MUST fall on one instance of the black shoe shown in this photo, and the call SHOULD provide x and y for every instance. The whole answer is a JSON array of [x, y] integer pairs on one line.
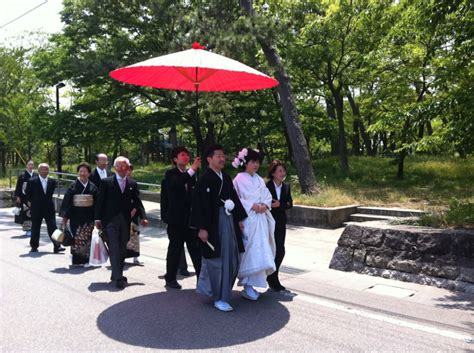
[[120, 284], [58, 250], [184, 272], [34, 250], [173, 284], [125, 279], [277, 287]]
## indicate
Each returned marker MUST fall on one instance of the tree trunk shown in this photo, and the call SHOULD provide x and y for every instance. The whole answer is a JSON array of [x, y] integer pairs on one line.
[[301, 156], [332, 115], [360, 124], [356, 151], [173, 136], [341, 130], [285, 131]]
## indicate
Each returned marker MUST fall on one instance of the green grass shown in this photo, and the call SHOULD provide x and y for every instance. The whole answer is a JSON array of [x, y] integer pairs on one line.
[[430, 182]]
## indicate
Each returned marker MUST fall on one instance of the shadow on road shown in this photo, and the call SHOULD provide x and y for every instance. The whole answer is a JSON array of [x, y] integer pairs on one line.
[[36, 254], [109, 286], [457, 300], [184, 320], [73, 270], [23, 236]]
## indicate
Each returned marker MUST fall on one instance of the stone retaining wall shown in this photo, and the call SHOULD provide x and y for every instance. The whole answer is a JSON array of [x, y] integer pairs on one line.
[[327, 217], [443, 258]]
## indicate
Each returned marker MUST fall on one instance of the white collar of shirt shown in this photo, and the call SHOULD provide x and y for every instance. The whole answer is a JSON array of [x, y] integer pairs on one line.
[[119, 178], [43, 180], [31, 174], [219, 174], [278, 189], [102, 173]]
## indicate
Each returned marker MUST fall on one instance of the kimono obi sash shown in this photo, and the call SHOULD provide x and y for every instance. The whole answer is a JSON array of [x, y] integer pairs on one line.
[[83, 200]]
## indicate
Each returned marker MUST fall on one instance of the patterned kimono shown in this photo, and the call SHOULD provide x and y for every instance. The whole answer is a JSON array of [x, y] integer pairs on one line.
[[24, 217], [78, 207]]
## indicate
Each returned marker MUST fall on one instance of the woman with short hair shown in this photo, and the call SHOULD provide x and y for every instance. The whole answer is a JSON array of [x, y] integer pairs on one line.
[[78, 208]]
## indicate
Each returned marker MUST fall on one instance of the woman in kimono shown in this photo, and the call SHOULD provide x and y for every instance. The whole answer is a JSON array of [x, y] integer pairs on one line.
[[133, 245], [24, 218], [78, 208], [258, 260]]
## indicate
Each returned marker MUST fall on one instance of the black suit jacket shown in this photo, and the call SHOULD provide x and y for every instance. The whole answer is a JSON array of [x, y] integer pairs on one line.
[[286, 201], [179, 189], [111, 202], [42, 204], [95, 177]]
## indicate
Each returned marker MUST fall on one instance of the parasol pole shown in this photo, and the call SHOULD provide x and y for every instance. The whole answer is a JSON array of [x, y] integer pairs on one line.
[[196, 95]]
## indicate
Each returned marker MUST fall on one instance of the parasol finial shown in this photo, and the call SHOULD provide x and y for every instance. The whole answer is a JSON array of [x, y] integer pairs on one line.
[[196, 45]]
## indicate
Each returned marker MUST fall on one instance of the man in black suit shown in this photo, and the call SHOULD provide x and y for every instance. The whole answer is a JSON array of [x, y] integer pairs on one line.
[[100, 172], [117, 203], [39, 195], [178, 186]]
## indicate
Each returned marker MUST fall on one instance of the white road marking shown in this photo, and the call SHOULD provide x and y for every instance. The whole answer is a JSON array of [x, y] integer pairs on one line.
[[402, 323]]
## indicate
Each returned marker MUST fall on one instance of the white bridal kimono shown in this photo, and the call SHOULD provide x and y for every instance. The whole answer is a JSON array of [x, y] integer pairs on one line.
[[258, 260]]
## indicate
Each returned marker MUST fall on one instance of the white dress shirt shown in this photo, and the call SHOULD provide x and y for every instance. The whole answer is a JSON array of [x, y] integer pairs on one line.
[[102, 173], [278, 190], [44, 183]]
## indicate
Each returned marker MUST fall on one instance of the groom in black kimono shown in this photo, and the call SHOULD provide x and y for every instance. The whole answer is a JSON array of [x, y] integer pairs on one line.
[[217, 213]]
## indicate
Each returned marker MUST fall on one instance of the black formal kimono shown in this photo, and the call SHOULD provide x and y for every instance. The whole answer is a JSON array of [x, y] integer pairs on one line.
[[220, 265], [24, 218], [209, 196], [42, 207], [178, 190], [133, 245], [81, 218], [279, 214]]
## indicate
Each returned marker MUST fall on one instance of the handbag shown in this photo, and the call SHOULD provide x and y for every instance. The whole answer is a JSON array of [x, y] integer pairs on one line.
[[58, 236]]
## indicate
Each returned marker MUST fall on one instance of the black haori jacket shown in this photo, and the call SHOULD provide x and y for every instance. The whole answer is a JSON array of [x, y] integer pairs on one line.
[[207, 199]]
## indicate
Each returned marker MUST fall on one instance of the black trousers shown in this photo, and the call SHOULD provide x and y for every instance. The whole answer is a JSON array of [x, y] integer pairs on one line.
[[118, 235], [280, 235], [36, 228], [178, 235], [183, 264]]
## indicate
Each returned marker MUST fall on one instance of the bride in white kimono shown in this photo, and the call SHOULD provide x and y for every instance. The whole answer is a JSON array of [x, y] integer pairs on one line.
[[258, 260]]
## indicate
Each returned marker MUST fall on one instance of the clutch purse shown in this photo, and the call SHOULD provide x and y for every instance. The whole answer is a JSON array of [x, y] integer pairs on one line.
[[82, 200]]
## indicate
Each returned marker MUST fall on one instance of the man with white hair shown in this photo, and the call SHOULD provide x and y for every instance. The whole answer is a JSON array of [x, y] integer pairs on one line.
[[39, 195], [100, 172], [117, 203]]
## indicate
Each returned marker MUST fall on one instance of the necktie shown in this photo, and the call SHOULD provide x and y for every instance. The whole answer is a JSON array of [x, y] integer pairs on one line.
[[122, 185]]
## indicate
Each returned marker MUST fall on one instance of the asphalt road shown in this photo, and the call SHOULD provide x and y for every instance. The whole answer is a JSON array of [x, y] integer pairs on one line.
[[46, 305]]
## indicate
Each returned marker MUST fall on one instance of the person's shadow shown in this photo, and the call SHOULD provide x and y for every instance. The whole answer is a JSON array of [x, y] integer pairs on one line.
[[184, 320]]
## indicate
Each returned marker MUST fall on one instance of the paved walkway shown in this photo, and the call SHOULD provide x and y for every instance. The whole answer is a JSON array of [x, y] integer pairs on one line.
[[49, 306]]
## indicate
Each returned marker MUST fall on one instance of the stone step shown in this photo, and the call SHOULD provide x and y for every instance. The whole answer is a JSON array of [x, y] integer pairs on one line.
[[360, 217], [393, 212]]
